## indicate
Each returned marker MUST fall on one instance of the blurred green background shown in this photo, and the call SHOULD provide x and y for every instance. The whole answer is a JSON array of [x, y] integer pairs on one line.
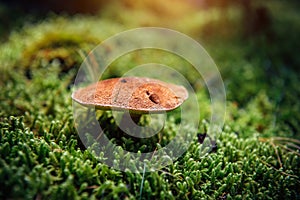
[[254, 43]]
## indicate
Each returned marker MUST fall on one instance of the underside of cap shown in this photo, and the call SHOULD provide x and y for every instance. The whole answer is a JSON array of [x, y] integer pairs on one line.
[[135, 94]]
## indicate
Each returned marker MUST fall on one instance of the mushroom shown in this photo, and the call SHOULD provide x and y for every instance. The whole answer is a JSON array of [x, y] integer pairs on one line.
[[134, 96]]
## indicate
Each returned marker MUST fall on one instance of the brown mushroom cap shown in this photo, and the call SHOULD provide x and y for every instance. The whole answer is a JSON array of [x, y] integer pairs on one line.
[[136, 94]]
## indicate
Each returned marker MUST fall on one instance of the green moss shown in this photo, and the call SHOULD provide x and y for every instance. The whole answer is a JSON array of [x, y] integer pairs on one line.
[[247, 168]]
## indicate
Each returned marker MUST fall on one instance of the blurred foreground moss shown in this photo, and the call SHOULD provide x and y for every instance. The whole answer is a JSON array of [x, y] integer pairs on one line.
[[257, 154]]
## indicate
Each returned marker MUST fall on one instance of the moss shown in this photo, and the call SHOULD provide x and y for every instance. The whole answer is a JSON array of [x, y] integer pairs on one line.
[[241, 167], [41, 155]]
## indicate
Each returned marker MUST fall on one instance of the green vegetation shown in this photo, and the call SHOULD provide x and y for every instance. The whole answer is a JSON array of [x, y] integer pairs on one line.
[[257, 155]]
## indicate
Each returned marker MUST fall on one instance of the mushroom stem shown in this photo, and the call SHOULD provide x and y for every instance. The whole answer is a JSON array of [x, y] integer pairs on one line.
[[129, 121]]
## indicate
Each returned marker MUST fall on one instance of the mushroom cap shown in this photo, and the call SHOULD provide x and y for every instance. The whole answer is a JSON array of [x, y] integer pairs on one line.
[[136, 94]]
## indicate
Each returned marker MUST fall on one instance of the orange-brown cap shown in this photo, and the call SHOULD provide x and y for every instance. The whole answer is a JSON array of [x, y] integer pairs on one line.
[[136, 94]]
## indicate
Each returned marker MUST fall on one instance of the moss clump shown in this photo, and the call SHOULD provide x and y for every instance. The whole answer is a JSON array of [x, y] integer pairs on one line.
[[53, 166]]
